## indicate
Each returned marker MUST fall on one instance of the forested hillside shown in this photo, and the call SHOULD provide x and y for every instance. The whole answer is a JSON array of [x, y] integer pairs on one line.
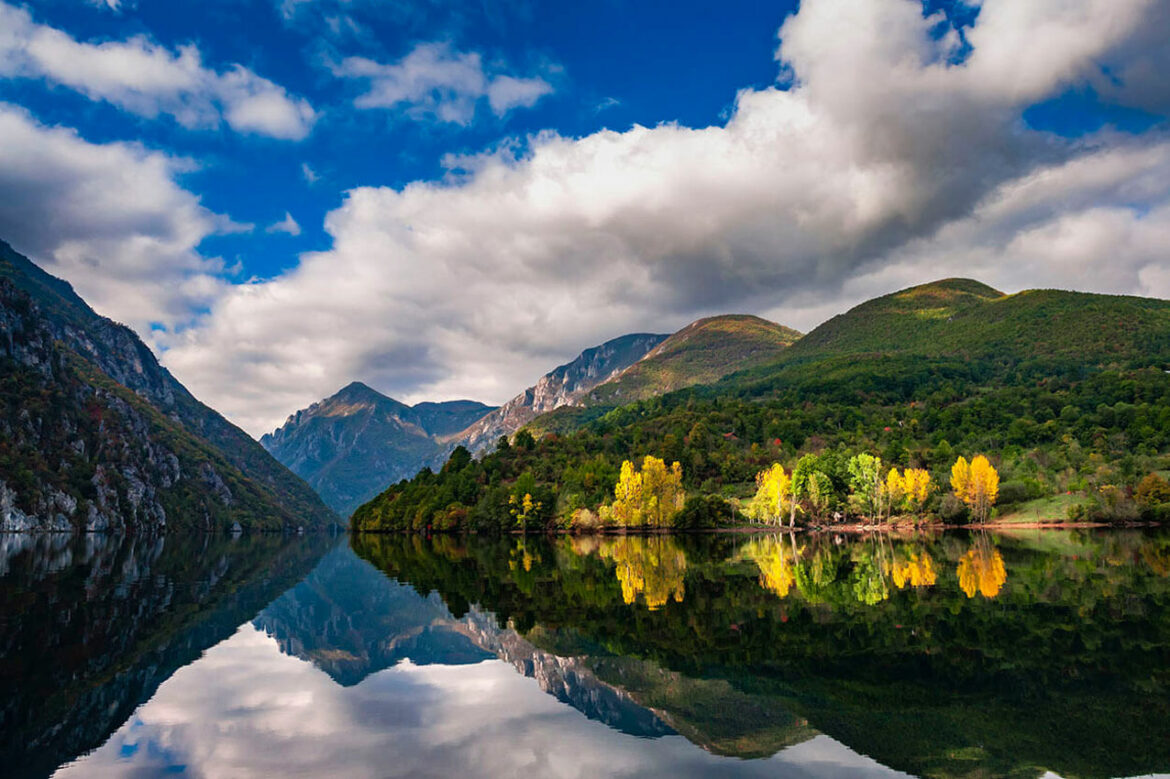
[[97, 435], [1065, 392]]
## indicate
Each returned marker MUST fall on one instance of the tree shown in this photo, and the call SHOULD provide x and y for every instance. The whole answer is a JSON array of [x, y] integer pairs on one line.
[[907, 490], [773, 494], [1152, 490], [976, 484], [652, 496], [894, 492], [865, 481], [803, 476], [917, 485], [820, 492]]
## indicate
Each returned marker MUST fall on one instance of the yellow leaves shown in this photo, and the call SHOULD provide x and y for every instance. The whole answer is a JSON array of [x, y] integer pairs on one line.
[[650, 568], [976, 484], [776, 563], [895, 488], [917, 485], [982, 570], [649, 497], [773, 494], [907, 490], [523, 508], [914, 569]]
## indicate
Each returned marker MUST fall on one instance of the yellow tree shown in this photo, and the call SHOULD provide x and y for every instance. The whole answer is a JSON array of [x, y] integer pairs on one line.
[[773, 495], [894, 491], [976, 484], [627, 497], [650, 497], [917, 485], [982, 570]]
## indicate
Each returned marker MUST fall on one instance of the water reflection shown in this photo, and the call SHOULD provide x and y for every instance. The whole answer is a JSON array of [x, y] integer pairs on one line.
[[746, 645], [90, 626], [688, 655]]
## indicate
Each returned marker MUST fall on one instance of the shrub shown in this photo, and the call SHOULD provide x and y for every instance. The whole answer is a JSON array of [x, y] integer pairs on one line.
[[705, 511]]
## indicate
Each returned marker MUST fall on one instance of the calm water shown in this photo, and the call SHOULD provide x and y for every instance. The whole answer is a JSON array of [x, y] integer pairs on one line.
[[956, 655]]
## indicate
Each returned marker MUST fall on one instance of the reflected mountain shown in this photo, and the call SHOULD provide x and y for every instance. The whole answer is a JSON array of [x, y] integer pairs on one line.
[[91, 625], [957, 655], [351, 621]]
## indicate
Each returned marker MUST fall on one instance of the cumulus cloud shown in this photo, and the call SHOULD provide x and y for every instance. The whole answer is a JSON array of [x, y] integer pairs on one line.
[[896, 156], [147, 79], [288, 225], [110, 218], [308, 174], [434, 81]]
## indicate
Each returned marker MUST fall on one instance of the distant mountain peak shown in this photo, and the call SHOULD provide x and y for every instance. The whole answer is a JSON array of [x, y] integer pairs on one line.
[[356, 442]]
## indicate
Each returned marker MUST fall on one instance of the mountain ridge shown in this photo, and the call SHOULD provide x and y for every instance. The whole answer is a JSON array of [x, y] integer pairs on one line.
[[704, 351], [116, 440], [350, 445]]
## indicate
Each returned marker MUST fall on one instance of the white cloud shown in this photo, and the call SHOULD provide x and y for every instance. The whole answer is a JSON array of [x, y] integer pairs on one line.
[[883, 165], [287, 225], [147, 79], [435, 81], [109, 218], [310, 176]]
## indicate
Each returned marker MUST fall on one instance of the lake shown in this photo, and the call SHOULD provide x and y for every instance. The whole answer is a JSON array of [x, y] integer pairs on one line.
[[960, 654]]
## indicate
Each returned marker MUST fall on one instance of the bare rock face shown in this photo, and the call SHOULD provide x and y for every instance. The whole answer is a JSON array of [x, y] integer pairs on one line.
[[563, 386]]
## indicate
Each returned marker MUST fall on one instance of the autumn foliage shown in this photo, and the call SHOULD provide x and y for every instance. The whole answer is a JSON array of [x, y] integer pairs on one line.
[[976, 484], [650, 497]]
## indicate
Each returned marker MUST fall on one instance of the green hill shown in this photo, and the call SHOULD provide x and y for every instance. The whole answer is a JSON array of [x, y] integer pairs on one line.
[[1068, 393], [961, 317], [701, 353]]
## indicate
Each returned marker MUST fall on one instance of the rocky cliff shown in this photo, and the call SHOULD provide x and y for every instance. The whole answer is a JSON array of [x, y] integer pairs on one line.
[[96, 435], [563, 386]]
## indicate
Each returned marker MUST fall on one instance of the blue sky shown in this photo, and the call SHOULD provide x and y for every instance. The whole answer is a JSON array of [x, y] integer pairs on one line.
[[586, 51], [446, 199]]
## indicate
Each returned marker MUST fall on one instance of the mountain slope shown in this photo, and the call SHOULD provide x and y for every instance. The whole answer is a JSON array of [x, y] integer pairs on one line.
[[565, 385], [702, 352], [963, 322], [96, 434], [1066, 391], [349, 446]]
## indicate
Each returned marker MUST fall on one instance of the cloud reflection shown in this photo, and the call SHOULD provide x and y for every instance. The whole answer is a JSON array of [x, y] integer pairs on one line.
[[246, 709]]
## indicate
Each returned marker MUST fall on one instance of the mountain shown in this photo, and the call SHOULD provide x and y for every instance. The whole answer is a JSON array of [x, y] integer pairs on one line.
[[563, 386], [349, 446], [701, 353], [95, 434], [964, 318], [1067, 392]]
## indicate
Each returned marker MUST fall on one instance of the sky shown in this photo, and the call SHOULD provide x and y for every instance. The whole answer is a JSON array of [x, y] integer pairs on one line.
[[446, 199]]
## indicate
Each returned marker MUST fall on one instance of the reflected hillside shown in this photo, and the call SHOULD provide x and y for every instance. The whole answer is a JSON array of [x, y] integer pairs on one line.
[[91, 625], [351, 621], [959, 655]]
